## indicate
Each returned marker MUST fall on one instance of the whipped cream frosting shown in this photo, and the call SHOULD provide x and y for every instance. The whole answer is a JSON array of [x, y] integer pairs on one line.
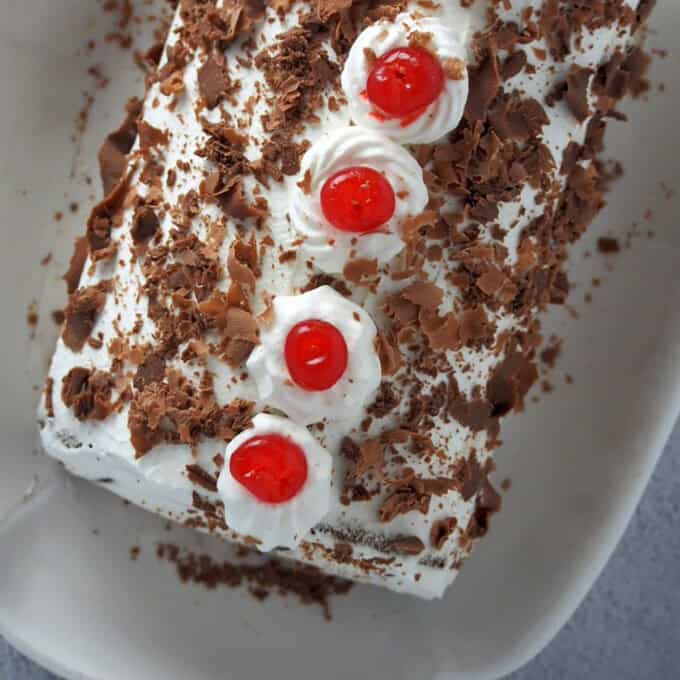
[[267, 364], [277, 524], [102, 451], [440, 117], [332, 248]]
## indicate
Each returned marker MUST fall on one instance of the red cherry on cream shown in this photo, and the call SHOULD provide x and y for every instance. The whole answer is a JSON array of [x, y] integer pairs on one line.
[[357, 199], [316, 355], [404, 82], [271, 467]]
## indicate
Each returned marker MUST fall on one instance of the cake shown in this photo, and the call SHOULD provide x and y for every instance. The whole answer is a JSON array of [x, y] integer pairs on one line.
[[312, 291]]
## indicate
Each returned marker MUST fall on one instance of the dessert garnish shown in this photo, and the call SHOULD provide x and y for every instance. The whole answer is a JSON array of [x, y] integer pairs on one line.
[[404, 82], [358, 199]]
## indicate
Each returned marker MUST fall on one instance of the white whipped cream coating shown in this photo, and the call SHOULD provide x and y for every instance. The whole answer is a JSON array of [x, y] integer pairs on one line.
[[267, 364], [277, 524], [332, 248], [440, 117]]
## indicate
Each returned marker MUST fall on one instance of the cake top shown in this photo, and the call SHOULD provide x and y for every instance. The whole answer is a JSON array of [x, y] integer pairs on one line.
[[346, 215]]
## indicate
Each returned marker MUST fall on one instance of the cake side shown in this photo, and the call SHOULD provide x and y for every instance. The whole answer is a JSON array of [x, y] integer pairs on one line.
[[151, 377]]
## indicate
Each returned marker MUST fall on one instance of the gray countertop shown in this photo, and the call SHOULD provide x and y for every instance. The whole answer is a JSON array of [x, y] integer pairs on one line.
[[628, 628]]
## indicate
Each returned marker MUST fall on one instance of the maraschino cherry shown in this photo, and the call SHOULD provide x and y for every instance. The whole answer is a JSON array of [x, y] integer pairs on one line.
[[316, 355], [271, 467], [358, 199], [404, 81]]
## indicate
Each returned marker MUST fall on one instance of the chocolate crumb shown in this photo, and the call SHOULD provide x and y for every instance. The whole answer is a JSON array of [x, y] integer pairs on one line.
[[608, 245], [307, 583]]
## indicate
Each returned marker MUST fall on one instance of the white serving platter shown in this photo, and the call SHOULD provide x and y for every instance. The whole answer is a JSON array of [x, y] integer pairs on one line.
[[579, 459]]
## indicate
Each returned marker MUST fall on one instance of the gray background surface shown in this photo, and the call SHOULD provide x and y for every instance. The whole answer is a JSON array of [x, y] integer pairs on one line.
[[628, 628]]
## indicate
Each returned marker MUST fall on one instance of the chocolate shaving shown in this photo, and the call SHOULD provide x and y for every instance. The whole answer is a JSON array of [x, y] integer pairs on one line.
[[369, 458], [513, 64], [644, 11], [49, 399], [242, 264], [407, 545], [487, 503], [197, 475], [485, 81], [103, 217], [81, 314], [237, 326], [178, 413], [442, 332], [388, 353], [415, 495], [145, 224], [326, 9], [213, 81], [88, 393], [318, 280], [474, 325], [576, 94], [476, 414], [236, 204], [112, 155], [509, 383], [441, 530], [517, 118], [425, 295], [150, 136], [215, 28], [76, 264], [361, 272], [401, 502], [151, 370]]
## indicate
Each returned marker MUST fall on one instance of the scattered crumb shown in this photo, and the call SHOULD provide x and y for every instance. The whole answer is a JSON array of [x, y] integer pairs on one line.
[[608, 245], [32, 317], [552, 352], [58, 316], [307, 583], [46, 260], [135, 550], [58, 216], [506, 484]]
